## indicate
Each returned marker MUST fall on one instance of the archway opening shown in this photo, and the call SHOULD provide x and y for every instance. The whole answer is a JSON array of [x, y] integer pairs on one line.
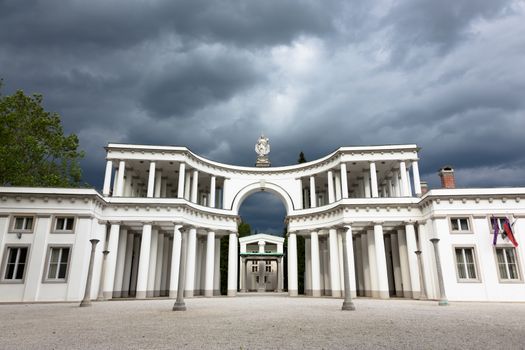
[[264, 212]]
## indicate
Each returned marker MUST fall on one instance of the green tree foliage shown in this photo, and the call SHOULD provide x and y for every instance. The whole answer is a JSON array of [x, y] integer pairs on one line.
[[301, 159], [33, 148]]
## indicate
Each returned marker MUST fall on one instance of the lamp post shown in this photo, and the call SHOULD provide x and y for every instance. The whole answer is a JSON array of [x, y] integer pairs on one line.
[[442, 296], [423, 290], [87, 293], [179, 303], [348, 304]]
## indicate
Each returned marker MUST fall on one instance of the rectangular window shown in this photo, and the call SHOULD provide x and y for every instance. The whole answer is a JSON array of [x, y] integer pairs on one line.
[[256, 279], [57, 264], [23, 223], [466, 264], [507, 264], [460, 224], [269, 268], [265, 279], [15, 264], [254, 268], [64, 224]]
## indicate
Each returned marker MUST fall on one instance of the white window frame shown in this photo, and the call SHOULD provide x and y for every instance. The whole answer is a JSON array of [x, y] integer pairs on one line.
[[6, 257], [46, 278], [518, 264], [24, 217], [459, 217], [66, 218], [477, 279]]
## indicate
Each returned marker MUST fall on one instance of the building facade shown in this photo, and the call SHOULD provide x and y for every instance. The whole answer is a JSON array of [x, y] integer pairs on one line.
[[371, 197]]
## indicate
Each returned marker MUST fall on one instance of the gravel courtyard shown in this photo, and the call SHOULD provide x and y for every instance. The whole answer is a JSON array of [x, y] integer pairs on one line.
[[263, 322]]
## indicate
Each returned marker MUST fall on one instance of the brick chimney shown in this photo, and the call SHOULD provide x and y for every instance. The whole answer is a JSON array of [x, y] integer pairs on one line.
[[424, 187], [447, 177]]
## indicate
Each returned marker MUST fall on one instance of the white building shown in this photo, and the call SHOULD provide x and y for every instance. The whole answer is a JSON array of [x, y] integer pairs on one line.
[[369, 196]]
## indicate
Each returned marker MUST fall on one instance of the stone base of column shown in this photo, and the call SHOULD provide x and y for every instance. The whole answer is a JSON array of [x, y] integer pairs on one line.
[[348, 306], [85, 303], [208, 293], [337, 294], [307, 292], [125, 294], [353, 294], [368, 293], [172, 294], [107, 295], [414, 294], [216, 292], [232, 292], [293, 293], [316, 293], [179, 306], [399, 294], [156, 293], [141, 294], [188, 293], [150, 294], [117, 294]]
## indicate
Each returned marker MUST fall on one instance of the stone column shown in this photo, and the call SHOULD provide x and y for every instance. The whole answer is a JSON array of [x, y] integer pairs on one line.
[[307, 266], [366, 182], [182, 176], [86, 301], [409, 184], [372, 264], [212, 192], [152, 263], [397, 184], [337, 186], [217, 272], [412, 259], [111, 261], [121, 259], [244, 274], [330, 180], [313, 196], [403, 262], [335, 279], [367, 273], [232, 264], [190, 264], [127, 265], [120, 178], [145, 247], [165, 271], [151, 180], [292, 264], [107, 178], [404, 180], [360, 287], [373, 179], [195, 187], [158, 183], [281, 275], [415, 175], [210, 261], [396, 265], [187, 188], [158, 265], [344, 181], [316, 268], [381, 262], [175, 261]]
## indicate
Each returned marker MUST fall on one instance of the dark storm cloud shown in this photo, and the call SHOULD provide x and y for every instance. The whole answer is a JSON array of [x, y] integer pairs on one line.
[[197, 80]]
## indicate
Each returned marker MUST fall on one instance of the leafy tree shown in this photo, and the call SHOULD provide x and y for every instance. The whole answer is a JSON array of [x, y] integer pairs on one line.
[[301, 159], [33, 148]]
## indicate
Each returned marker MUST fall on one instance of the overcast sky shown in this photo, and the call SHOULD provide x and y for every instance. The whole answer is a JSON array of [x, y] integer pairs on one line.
[[312, 75]]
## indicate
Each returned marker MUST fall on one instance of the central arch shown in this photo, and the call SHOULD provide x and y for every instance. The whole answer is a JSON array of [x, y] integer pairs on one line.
[[262, 186]]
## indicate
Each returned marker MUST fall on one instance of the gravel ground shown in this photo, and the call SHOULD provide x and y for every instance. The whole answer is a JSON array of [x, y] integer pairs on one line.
[[263, 322]]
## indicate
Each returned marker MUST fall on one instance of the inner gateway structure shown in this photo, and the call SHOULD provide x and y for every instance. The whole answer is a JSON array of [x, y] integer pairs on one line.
[[369, 196]]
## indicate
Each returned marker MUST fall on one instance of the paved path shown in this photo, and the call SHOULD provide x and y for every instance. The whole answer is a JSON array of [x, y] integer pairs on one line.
[[263, 322]]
